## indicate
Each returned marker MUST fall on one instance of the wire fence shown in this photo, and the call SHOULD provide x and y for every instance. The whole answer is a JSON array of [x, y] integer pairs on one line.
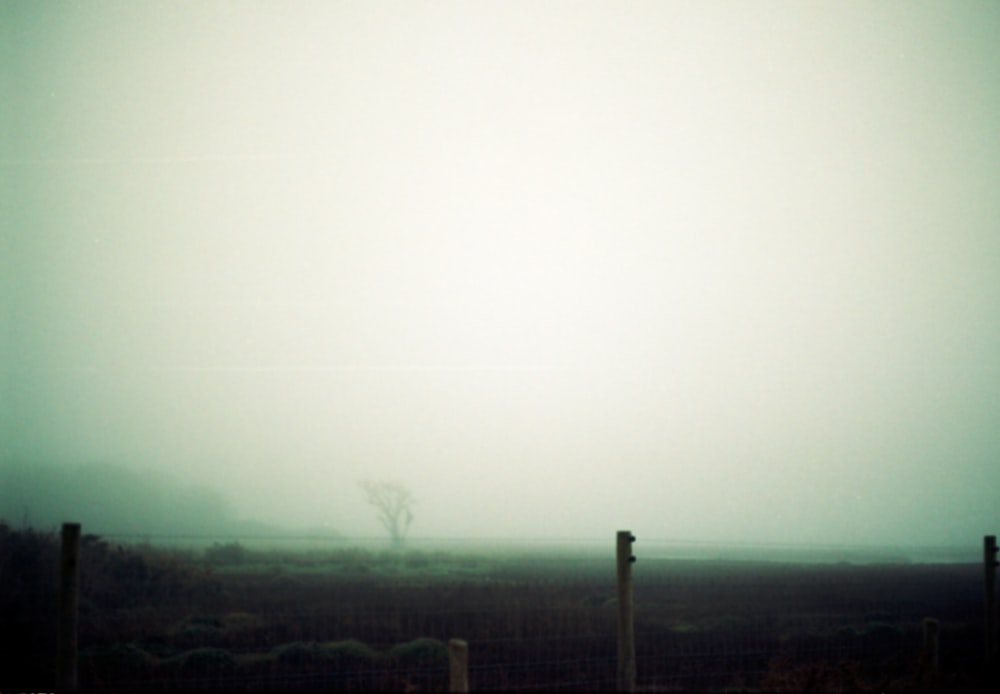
[[239, 614]]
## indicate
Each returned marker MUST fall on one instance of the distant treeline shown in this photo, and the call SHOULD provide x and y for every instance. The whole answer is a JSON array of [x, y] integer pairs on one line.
[[111, 499]]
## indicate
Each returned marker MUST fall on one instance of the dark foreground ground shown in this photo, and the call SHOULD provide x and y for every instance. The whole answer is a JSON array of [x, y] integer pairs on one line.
[[233, 618]]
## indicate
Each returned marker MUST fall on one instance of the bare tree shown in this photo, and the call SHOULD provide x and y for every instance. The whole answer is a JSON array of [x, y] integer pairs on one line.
[[394, 504]]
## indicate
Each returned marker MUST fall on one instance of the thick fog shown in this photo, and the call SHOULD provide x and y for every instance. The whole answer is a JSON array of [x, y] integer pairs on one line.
[[723, 271]]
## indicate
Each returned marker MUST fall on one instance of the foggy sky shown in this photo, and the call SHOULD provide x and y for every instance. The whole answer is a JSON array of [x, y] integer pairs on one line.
[[706, 270]]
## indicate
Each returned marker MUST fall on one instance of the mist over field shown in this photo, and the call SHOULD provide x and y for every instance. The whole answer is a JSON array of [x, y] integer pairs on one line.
[[714, 271]]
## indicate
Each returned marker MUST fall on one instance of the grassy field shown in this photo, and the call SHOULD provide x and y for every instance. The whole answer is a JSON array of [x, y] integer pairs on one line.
[[236, 616]]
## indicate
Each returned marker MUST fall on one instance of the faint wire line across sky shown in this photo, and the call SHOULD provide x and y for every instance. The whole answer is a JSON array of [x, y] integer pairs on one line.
[[179, 159]]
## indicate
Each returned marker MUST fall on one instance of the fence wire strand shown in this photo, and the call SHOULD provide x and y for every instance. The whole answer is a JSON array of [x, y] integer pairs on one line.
[[230, 615]]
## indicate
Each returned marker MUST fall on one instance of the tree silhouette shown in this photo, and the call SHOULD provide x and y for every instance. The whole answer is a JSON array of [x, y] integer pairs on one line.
[[393, 503]]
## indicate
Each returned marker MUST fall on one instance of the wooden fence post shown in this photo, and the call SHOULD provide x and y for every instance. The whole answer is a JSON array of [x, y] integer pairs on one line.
[[932, 644], [626, 627], [990, 608], [69, 572], [458, 660]]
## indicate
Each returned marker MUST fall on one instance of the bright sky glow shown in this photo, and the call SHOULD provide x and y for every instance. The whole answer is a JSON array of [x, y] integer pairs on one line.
[[707, 270]]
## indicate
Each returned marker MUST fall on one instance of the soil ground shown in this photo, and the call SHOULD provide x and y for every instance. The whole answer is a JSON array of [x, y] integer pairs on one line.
[[532, 621]]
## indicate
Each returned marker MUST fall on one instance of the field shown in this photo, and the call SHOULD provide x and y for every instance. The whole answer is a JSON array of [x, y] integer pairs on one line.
[[230, 616]]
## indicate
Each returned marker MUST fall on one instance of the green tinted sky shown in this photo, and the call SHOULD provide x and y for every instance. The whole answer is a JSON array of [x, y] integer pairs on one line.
[[708, 270]]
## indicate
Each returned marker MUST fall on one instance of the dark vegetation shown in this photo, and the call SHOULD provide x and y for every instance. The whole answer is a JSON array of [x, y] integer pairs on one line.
[[235, 617]]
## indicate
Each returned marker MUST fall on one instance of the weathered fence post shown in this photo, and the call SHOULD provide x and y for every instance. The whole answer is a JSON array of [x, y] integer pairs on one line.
[[626, 630], [990, 608], [69, 571], [932, 644], [458, 659]]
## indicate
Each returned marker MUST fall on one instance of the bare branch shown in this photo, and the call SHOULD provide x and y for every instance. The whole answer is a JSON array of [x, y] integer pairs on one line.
[[393, 503]]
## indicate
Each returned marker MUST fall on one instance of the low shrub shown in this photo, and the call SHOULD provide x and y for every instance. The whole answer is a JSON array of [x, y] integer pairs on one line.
[[196, 631], [106, 664], [422, 651], [228, 554], [295, 653], [350, 653], [200, 662]]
